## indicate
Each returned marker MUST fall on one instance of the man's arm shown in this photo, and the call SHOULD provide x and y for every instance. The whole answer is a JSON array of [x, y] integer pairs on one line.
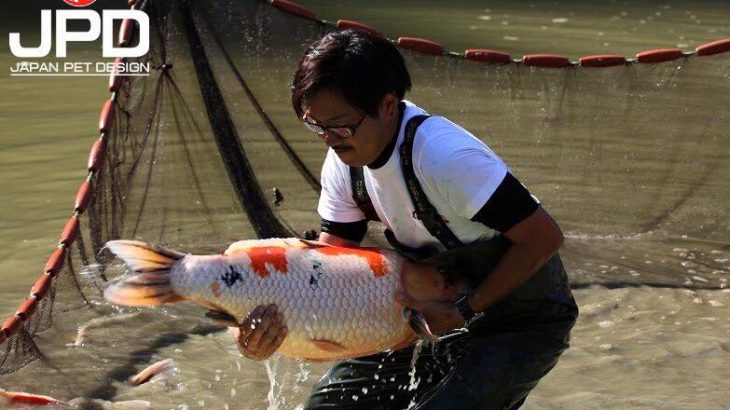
[[336, 240], [534, 240]]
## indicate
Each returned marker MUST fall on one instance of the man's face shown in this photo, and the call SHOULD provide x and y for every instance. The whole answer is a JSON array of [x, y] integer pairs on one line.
[[329, 109]]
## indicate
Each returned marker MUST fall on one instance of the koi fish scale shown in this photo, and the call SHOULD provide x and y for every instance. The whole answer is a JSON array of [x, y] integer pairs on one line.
[[337, 302]]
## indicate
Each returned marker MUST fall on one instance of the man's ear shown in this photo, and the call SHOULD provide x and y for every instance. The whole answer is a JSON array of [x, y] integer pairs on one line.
[[389, 105]]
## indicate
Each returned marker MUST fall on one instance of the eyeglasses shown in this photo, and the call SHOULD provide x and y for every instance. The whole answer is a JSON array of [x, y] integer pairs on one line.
[[339, 131]]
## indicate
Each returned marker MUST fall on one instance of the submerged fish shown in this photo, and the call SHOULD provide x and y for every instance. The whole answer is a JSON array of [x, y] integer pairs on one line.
[[337, 302], [158, 372], [14, 399]]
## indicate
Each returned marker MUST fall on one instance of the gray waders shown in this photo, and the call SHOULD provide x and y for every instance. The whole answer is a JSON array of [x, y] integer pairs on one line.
[[494, 365]]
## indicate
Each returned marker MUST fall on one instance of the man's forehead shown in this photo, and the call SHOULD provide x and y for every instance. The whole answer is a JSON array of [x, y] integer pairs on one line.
[[328, 105]]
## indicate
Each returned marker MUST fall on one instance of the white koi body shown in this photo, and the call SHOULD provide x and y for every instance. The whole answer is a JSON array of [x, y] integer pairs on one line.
[[337, 302]]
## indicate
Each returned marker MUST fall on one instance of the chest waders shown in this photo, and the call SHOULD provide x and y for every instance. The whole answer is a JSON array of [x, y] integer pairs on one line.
[[492, 366]]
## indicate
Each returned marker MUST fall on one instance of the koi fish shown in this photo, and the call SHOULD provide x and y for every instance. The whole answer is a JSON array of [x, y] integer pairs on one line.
[[14, 399], [338, 302], [22, 400], [99, 322], [158, 372]]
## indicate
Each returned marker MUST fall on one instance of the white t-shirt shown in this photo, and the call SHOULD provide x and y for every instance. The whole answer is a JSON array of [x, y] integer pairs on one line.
[[457, 172]]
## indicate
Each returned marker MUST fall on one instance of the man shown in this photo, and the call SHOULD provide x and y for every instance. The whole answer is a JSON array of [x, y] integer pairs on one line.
[[349, 88]]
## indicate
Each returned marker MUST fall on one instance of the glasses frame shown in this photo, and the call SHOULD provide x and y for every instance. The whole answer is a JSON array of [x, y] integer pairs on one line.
[[339, 131]]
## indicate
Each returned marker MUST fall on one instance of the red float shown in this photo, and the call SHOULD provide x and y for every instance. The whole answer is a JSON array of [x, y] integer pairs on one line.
[[546, 60], [115, 80], [12, 325], [41, 287], [345, 24], [602, 60], [79, 3], [659, 55], [716, 47], [55, 262], [96, 155], [294, 8], [26, 309], [107, 116], [70, 231], [421, 45], [125, 32], [82, 197], [487, 56]]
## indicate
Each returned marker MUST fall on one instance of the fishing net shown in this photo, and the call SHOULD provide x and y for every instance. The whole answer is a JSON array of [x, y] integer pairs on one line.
[[631, 160]]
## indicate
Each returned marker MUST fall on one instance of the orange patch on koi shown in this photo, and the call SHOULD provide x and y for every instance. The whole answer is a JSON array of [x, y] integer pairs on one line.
[[274, 255], [375, 259]]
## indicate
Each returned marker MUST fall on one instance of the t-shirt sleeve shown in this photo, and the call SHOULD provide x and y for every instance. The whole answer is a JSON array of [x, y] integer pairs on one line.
[[335, 201], [352, 231], [462, 171], [471, 179], [510, 204]]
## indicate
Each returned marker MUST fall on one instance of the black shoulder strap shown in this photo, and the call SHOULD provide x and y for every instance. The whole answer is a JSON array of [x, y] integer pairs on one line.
[[360, 194], [431, 219], [425, 212]]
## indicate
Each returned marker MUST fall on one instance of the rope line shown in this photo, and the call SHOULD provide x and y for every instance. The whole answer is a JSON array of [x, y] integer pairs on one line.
[[425, 46]]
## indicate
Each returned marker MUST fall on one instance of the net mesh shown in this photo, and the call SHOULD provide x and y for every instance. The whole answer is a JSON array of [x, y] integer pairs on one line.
[[631, 160]]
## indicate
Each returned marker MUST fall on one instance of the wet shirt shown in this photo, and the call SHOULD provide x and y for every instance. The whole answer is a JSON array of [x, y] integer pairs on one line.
[[468, 184]]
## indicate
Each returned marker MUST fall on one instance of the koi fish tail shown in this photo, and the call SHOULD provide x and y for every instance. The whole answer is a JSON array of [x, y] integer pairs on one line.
[[151, 284]]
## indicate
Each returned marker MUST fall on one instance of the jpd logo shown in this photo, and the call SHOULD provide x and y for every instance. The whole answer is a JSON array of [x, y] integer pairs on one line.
[[99, 25]]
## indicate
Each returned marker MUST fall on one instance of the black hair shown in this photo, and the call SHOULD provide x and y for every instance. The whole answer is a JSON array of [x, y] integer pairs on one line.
[[361, 66]]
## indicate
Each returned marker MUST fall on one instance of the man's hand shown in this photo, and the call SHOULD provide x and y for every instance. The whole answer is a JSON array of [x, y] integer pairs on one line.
[[260, 334], [440, 316]]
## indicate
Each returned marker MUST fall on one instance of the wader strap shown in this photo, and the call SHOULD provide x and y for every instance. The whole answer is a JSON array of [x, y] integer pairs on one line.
[[360, 194], [425, 212]]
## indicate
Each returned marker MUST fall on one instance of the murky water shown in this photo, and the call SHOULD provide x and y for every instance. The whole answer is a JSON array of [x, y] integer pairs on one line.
[[633, 348]]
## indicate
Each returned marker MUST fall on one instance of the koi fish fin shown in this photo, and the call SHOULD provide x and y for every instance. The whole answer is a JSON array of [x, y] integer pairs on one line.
[[314, 244], [143, 257], [248, 244], [327, 345], [151, 285], [161, 371], [419, 325]]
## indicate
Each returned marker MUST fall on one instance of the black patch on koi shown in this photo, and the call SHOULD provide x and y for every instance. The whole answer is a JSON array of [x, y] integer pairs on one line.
[[231, 277], [314, 280]]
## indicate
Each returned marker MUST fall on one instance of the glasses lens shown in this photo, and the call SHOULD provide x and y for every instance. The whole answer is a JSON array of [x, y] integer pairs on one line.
[[343, 132], [314, 127]]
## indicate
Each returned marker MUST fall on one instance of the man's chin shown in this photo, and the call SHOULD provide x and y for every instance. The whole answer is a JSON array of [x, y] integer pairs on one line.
[[348, 158]]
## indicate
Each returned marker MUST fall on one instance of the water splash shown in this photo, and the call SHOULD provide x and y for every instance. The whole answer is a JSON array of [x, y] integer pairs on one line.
[[274, 396], [414, 381]]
